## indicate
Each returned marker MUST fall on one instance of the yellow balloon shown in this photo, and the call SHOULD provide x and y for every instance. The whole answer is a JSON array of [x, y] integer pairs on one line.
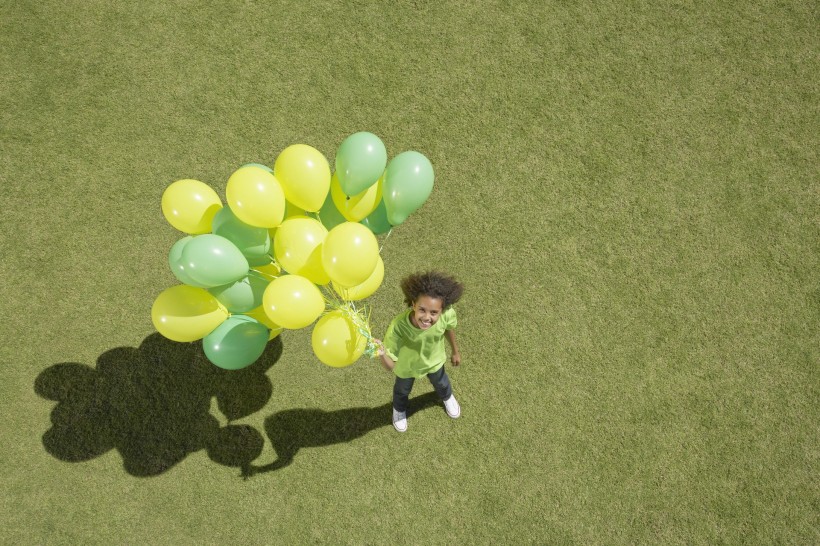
[[190, 206], [186, 313], [256, 197], [349, 254], [305, 176], [336, 341], [259, 314], [292, 210], [298, 248], [292, 302], [355, 208], [367, 288], [270, 271]]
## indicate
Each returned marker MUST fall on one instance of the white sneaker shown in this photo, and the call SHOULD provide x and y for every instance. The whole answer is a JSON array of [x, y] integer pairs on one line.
[[400, 420], [451, 407]]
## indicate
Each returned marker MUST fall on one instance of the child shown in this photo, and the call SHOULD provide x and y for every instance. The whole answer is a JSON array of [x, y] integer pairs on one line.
[[414, 343]]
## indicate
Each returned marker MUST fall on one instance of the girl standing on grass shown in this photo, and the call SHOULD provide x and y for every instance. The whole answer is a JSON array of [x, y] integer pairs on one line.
[[414, 343]]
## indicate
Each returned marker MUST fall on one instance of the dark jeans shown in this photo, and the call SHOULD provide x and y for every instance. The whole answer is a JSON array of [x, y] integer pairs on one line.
[[402, 388]]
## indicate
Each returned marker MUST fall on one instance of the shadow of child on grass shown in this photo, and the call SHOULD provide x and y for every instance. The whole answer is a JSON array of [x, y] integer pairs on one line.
[[152, 404], [291, 430]]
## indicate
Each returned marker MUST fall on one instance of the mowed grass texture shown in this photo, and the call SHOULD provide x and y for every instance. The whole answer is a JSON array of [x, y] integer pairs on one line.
[[629, 190]]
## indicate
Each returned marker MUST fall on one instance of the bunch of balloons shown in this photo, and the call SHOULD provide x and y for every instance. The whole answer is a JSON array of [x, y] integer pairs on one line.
[[255, 267]]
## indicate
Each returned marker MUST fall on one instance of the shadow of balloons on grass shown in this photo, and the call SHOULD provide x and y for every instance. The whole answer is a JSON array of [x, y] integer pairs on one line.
[[152, 404], [291, 430]]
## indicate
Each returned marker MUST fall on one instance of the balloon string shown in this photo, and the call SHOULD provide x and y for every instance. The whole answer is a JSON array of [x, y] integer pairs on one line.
[[254, 273], [385, 240], [266, 275], [361, 319], [358, 316]]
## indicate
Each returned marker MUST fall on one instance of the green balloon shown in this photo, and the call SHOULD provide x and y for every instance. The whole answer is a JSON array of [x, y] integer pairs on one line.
[[360, 162], [243, 295], [263, 167], [408, 182], [377, 220], [262, 259], [329, 215], [178, 266], [236, 343], [253, 242], [211, 260]]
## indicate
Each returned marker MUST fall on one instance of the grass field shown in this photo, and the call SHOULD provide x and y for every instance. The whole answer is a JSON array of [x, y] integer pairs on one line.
[[629, 190]]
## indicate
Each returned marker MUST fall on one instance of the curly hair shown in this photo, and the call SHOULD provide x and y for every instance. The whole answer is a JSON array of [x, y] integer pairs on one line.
[[433, 284]]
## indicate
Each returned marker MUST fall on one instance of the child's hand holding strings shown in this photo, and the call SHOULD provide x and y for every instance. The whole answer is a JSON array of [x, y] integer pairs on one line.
[[379, 346], [384, 358]]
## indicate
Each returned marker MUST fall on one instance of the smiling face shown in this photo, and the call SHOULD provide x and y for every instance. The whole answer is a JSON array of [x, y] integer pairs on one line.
[[426, 311]]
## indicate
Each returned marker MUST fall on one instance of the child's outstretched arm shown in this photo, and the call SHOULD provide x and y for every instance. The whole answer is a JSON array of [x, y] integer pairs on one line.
[[386, 361], [455, 357]]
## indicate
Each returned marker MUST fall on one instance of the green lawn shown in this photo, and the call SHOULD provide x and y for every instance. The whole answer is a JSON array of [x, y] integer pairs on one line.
[[629, 190]]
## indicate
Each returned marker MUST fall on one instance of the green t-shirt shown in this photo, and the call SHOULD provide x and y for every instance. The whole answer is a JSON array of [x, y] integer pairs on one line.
[[418, 352]]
